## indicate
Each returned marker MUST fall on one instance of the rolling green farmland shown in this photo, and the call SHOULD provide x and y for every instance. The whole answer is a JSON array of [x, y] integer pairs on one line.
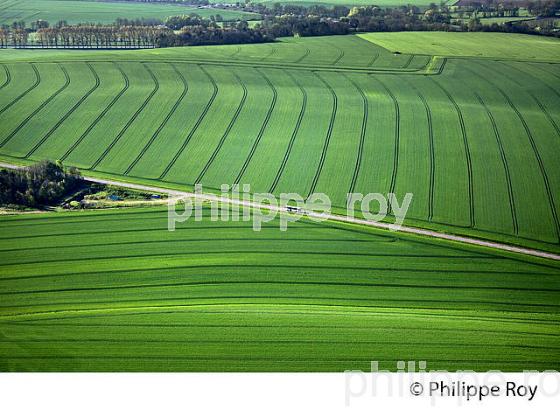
[[84, 11], [475, 140], [492, 45], [114, 290]]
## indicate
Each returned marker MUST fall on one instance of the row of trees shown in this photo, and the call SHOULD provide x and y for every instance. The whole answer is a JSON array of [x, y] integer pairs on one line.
[[99, 36], [41, 184]]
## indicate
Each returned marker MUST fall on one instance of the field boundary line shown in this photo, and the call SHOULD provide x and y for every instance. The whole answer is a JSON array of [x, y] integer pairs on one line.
[[226, 132], [294, 133], [195, 126], [504, 162], [276, 266], [68, 113], [397, 133], [533, 146], [164, 122], [327, 137], [27, 91], [261, 130], [327, 283], [428, 111], [267, 251], [467, 150], [40, 107], [258, 64], [130, 121], [100, 116], [537, 101], [362, 134]]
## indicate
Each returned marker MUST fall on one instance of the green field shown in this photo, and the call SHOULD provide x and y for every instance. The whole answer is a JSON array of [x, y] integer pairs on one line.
[[475, 140], [473, 132], [84, 11], [491, 45], [115, 291]]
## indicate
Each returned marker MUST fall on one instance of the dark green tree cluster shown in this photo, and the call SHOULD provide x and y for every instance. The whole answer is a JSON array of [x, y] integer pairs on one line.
[[41, 184], [548, 8]]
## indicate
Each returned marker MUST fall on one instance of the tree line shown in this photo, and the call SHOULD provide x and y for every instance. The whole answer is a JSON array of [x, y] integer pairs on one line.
[[99, 36]]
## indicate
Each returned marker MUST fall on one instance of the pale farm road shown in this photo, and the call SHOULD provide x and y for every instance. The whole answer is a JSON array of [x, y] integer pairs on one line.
[[333, 217]]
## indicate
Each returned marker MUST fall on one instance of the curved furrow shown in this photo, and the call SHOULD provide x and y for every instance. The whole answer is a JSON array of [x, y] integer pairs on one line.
[[546, 71], [340, 56], [164, 122], [432, 151], [131, 120], [397, 135], [547, 85], [536, 100], [273, 50], [373, 60], [408, 62], [294, 133], [100, 116], [441, 67], [467, 150], [307, 52], [533, 146], [504, 162], [65, 116], [209, 265], [75, 246], [547, 114], [40, 107], [237, 252], [8, 77], [233, 282], [226, 132], [195, 127], [262, 129], [327, 137], [237, 51], [362, 135], [23, 94]]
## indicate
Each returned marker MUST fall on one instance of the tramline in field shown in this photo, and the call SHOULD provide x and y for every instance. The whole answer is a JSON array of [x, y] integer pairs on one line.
[[115, 291], [476, 140]]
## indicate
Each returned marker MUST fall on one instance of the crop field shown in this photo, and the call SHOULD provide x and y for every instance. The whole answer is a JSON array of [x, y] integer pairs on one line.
[[84, 11], [476, 141], [496, 45], [114, 290]]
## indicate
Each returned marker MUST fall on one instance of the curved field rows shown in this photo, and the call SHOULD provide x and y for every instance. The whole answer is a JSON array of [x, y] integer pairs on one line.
[[475, 141], [108, 290]]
